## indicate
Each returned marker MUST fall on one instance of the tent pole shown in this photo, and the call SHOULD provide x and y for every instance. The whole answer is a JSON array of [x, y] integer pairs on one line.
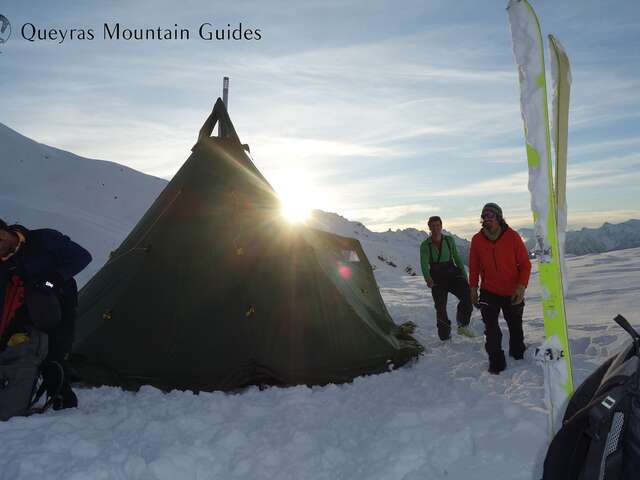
[[225, 92], [225, 100]]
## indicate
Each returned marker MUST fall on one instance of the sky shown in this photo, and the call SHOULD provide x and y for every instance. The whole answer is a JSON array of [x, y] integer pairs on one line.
[[384, 112]]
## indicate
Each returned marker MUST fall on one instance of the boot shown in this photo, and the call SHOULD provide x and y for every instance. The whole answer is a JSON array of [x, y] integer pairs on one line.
[[444, 328], [497, 363], [518, 354], [444, 332], [66, 399], [466, 332]]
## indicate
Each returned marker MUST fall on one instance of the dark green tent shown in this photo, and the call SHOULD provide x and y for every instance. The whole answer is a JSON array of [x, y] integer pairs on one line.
[[212, 290]]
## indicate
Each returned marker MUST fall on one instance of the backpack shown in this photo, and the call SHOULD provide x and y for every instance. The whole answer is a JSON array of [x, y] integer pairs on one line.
[[22, 383], [600, 435]]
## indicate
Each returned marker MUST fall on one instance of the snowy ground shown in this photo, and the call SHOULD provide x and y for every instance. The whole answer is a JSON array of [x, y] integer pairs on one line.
[[443, 417]]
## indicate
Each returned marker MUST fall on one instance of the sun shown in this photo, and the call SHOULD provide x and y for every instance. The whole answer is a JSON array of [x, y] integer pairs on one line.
[[295, 213], [297, 196], [295, 204]]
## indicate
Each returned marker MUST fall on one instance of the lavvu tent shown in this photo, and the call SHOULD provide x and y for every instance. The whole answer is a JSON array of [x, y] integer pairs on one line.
[[211, 290]]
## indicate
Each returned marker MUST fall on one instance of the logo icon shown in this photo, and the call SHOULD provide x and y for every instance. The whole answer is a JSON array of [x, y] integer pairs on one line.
[[5, 30]]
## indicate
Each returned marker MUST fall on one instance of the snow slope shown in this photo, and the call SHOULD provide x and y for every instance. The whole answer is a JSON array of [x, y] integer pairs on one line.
[[93, 201], [442, 417]]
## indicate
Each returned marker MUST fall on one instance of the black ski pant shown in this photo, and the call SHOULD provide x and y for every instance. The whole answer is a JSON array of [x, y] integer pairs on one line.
[[490, 306], [60, 343], [459, 287]]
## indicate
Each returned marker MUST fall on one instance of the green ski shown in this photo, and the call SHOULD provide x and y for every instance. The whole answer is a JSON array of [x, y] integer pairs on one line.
[[561, 75]]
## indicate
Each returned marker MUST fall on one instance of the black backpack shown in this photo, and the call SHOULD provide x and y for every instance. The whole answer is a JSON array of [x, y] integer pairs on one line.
[[25, 376], [600, 435]]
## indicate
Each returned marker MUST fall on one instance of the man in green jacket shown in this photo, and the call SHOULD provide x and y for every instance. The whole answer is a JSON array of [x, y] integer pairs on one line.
[[444, 273]]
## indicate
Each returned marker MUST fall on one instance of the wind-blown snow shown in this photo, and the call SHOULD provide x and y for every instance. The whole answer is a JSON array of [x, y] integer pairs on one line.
[[442, 417]]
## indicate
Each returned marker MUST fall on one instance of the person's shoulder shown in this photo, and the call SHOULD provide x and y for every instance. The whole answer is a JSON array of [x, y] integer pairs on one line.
[[425, 243], [44, 236], [45, 232], [512, 233], [478, 236]]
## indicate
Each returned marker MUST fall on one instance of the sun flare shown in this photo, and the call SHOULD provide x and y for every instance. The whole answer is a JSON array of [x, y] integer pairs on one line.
[[295, 204], [295, 213], [297, 197]]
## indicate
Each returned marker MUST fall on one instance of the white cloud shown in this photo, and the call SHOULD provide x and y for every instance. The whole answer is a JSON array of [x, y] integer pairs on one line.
[[377, 217], [513, 183]]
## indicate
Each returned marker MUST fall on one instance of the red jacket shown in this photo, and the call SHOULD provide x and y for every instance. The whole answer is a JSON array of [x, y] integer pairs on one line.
[[502, 264]]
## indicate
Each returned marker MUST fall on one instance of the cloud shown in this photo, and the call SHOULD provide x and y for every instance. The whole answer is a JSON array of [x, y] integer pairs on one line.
[[513, 183], [607, 171], [602, 96], [505, 155], [383, 218], [301, 149], [590, 148], [595, 218], [610, 171]]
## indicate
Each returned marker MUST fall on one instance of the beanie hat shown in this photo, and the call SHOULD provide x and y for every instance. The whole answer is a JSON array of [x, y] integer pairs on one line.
[[493, 207]]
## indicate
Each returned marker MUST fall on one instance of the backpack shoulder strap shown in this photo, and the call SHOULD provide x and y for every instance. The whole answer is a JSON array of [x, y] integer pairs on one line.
[[447, 239], [607, 424], [635, 336]]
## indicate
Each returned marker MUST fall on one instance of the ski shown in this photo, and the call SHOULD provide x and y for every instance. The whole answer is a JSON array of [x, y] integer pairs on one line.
[[561, 75], [529, 56]]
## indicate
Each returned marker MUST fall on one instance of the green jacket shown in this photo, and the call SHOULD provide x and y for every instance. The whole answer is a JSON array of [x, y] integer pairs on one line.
[[449, 252]]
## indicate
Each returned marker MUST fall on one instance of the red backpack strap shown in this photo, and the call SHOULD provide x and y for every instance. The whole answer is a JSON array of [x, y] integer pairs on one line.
[[13, 300]]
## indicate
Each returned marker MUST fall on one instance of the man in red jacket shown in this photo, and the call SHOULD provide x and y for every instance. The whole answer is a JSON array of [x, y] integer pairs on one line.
[[498, 257]]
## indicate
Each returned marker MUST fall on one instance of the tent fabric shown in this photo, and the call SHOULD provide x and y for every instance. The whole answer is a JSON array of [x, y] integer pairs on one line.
[[212, 290]]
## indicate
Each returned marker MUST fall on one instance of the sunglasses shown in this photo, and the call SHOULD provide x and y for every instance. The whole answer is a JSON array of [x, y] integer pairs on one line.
[[488, 216]]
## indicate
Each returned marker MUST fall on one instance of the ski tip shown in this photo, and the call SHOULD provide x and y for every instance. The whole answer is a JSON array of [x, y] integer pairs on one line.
[[510, 3]]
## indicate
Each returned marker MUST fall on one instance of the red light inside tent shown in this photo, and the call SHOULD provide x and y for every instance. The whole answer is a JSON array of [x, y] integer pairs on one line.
[[345, 272]]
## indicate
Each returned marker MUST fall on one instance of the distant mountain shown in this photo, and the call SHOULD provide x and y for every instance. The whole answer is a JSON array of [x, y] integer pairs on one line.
[[606, 238]]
